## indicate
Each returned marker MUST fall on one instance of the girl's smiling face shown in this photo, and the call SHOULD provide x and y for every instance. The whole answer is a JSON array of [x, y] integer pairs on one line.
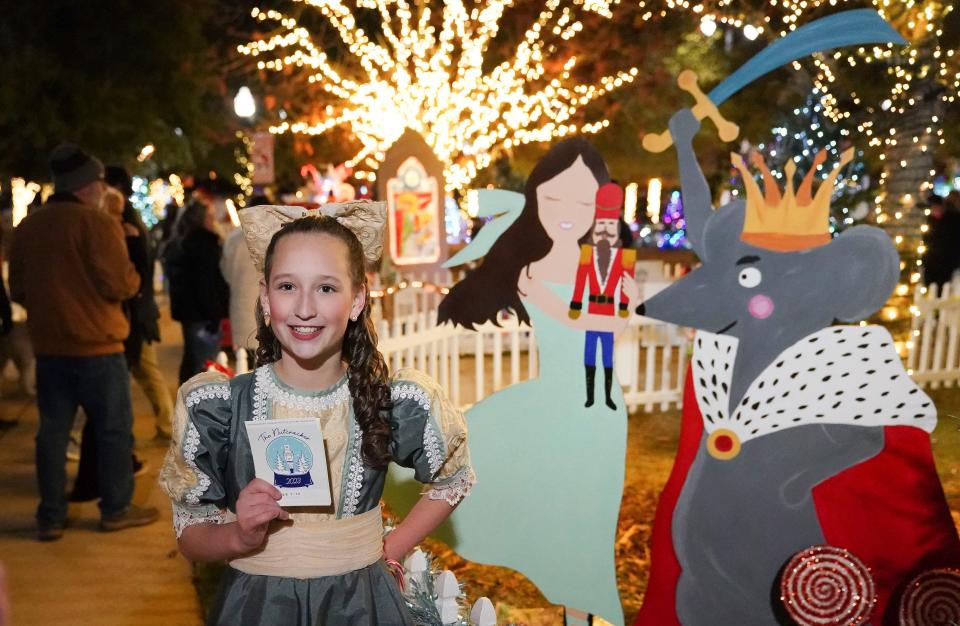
[[566, 203], [310, 298]]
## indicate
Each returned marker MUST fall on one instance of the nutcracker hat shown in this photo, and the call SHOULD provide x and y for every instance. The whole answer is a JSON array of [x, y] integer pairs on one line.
[[609, 202]]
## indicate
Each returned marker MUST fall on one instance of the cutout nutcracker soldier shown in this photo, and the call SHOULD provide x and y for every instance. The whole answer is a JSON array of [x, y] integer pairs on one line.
[[603, 264]]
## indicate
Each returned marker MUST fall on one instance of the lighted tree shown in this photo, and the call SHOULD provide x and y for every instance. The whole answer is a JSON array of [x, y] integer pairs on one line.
[[806, 133], [901, 100], [427, 72]]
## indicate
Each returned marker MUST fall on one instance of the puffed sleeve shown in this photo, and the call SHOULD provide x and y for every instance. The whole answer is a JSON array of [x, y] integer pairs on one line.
[[430, 436], [192, 472]]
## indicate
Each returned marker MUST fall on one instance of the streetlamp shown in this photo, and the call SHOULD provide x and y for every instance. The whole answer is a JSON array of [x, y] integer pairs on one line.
[[708, 26], [244, 104], [245, 107]]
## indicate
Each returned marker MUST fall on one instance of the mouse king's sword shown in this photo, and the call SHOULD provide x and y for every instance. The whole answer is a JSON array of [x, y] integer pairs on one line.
[[847, 28]]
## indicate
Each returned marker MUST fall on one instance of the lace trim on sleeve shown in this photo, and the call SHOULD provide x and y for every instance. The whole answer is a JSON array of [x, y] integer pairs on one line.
[[431, 444], [191, 443], [184, 516], [351, 499], [208, 392], [431, 441], [402, 391], [456, 489]]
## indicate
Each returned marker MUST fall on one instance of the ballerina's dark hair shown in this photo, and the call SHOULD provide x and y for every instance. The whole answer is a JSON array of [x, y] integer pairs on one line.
[[369, 379], [492, 287]]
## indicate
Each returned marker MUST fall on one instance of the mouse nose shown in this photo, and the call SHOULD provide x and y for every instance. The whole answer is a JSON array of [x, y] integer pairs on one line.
[[641, 308]]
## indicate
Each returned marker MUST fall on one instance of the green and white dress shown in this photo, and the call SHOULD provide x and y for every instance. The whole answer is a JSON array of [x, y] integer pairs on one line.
[[209, 463]]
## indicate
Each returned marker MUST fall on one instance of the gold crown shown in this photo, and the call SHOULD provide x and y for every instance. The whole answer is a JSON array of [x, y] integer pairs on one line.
[[789, 221]]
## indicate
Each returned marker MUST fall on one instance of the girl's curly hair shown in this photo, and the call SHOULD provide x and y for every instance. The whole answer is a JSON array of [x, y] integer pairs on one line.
[[369, 379]]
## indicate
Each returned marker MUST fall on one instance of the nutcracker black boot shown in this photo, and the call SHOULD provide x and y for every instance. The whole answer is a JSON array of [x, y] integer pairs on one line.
[[591, 377], [607, 385]]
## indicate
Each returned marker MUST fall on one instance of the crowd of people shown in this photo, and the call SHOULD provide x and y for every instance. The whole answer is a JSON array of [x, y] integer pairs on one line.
[[942, 239], [82, 265]]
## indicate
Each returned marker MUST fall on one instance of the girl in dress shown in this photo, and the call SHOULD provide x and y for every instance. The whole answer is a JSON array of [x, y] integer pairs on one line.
[[317, 358]]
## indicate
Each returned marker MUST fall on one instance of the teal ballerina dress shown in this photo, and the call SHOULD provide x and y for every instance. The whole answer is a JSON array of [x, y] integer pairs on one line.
[[551, 477], [209, 462]]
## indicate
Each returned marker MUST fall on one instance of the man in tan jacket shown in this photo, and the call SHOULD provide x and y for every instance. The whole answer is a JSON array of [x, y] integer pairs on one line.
[[70, 269]]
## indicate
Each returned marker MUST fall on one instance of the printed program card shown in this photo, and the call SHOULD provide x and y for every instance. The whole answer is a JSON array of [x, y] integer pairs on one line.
[[290, 455]]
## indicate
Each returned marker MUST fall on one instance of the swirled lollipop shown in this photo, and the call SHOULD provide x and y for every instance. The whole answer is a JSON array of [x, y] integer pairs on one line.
[[825, 585], [932, 599]]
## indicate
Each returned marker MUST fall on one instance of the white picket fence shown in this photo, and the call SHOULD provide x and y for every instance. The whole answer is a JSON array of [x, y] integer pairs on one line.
[[651, 362], [650, 357], [933, 356], [447, 594], [457, 357]]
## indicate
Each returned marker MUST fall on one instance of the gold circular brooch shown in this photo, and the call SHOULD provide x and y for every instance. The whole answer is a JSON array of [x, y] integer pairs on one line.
[[723, 444]]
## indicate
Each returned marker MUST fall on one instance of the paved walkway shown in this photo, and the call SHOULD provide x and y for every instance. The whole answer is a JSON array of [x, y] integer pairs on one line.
[[133, 577]]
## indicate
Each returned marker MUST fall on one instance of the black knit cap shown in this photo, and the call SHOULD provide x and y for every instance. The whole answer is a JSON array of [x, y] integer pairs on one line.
[[117, 176], [72, 168]]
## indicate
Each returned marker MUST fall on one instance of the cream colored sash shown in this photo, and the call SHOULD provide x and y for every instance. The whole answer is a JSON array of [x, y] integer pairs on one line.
[[314, 549]]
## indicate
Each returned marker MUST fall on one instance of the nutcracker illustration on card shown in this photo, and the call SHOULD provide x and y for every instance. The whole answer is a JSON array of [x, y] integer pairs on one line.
[[289, 454]]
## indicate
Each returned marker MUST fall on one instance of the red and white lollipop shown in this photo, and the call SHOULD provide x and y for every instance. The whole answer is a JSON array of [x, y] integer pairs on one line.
[[827, 586], [932, 599]]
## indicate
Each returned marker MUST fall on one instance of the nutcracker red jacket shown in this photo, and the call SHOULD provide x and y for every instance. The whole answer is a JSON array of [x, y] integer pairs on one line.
[[601, 296]]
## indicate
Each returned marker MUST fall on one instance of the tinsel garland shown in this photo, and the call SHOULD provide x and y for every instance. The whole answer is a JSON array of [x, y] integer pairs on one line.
[[421, 599]]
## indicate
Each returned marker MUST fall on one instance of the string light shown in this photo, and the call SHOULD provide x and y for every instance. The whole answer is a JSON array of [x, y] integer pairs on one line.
[[151, 197], [22, 194], [232, 212], [415, 284], [146, 152], [244, 176], [630, 203], [924, 77], [654, 188], [431, 79]]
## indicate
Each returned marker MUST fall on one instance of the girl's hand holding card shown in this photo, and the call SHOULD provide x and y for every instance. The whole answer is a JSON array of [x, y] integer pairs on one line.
[[257, 506]]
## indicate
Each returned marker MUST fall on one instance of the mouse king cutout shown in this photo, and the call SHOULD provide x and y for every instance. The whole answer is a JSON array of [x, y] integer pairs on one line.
[[800, 436]]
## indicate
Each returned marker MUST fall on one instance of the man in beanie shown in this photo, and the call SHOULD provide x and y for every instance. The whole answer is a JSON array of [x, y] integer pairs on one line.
[[69, 268]]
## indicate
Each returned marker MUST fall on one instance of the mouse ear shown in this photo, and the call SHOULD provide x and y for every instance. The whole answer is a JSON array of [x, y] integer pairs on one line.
[[864, 265], [721, 231]]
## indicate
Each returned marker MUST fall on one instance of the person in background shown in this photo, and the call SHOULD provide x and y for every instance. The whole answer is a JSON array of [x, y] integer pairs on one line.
[[199, 296], [140, 347], [85, 487], [952, 201], [244, 281], [69, 268], [942, 239], [166, 224]]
